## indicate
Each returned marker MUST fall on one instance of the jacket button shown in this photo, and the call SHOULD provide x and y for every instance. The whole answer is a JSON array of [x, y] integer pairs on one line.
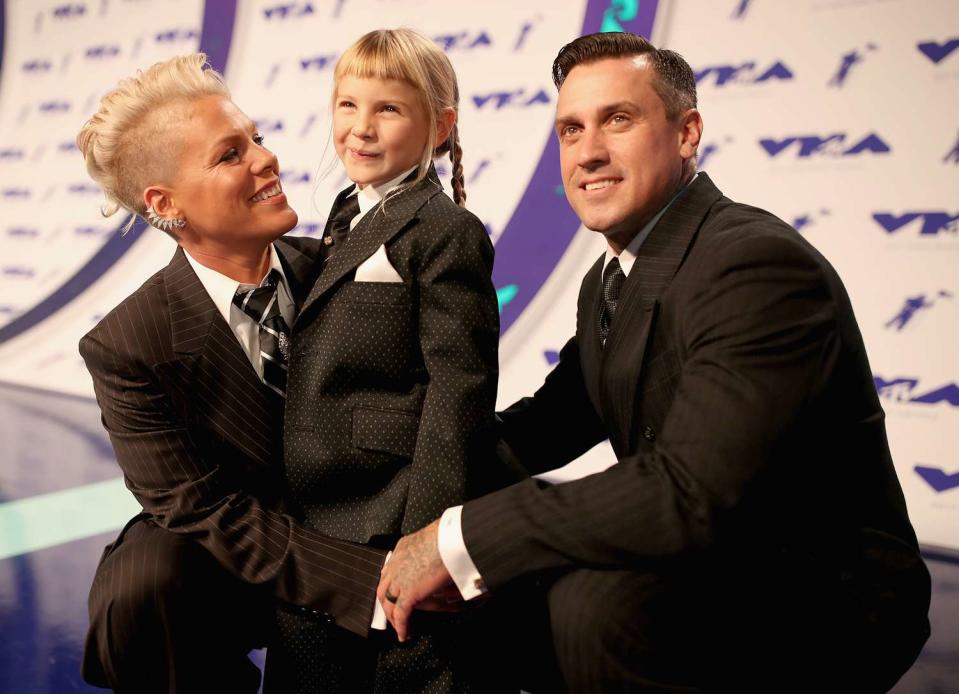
[[649, 434]]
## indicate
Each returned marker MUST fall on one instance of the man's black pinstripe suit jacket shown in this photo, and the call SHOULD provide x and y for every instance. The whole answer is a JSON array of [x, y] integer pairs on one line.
[[753, 489]]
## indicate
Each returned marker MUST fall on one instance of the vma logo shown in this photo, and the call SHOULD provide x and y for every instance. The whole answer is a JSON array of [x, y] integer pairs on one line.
[[318, 63], [744, 73], [835, 145], [268, 125], [69, 11], [931, 223], [295, 177], [37, 66], [104, 51], [742, 6], [174, 35], [23, 232], [54, 107], [846, 64], [912, 306], [952, 156], [906, 390], [937, 52], [937, 478], [808, 219], [463, 41], [289, 10], [518, 98]]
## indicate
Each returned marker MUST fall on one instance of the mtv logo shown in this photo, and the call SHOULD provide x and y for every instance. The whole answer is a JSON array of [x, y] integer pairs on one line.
[[834, 145], [744, 73], [929, 223]]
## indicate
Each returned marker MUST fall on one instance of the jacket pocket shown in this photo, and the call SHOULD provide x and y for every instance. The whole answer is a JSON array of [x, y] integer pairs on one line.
[[387, 431]]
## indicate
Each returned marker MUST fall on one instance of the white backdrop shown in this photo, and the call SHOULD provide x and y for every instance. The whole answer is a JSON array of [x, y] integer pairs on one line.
[[837, 115]]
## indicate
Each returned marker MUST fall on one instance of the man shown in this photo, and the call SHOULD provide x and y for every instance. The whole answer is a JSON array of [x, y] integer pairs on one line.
[[752, 533]]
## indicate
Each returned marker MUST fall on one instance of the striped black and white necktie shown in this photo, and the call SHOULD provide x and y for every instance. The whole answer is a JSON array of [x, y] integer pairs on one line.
[[262, 305]]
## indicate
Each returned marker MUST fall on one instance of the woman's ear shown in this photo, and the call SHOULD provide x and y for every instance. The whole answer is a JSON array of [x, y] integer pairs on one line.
[[160, 200]]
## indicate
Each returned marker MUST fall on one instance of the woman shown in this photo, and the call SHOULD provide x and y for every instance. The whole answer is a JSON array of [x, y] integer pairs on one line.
[[189, 372]]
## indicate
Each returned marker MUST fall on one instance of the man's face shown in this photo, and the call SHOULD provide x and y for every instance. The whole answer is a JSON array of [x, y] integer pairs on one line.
[[621, 158]]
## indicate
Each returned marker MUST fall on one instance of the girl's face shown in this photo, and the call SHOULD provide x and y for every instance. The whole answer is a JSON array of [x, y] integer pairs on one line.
[[380, 129]]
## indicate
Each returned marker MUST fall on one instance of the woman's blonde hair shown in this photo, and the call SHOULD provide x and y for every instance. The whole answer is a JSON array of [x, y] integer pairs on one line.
[[125, 144], [403, 54]]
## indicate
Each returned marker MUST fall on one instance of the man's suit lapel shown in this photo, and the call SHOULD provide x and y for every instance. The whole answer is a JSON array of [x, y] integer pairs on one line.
[[212, 369], [657, 262], [376, 228]]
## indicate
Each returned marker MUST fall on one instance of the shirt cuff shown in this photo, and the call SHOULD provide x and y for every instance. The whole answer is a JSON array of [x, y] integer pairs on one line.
[[379, 616], [456, 558]]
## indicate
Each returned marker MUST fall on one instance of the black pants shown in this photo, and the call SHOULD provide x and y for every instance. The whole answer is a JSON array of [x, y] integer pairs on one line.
[[624, 631], [165, 617]]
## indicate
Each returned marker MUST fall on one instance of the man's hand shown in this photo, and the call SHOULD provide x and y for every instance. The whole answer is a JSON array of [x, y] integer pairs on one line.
[[414, 577]]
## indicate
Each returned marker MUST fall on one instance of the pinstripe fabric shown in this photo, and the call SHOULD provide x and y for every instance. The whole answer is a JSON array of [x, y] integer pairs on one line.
[[198, 439], [733, 367]]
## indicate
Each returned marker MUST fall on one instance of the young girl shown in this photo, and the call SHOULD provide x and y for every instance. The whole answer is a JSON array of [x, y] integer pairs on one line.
[[393, 369]]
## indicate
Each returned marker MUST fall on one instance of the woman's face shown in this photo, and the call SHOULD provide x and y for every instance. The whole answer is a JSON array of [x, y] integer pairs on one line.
[[227, 184]]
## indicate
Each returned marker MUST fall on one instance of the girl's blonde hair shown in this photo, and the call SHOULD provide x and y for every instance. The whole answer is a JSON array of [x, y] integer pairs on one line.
[[126, 144], [403, 54]]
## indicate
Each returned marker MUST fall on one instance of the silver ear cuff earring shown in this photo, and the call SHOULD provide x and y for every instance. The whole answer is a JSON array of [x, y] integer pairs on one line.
[[162, 224]]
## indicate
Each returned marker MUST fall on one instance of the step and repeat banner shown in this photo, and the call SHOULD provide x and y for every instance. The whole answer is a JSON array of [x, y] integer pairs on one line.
[[841, 116]]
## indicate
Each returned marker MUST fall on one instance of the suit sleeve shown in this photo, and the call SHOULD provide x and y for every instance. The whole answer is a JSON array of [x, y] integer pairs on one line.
[[555, 426], [758, 330], [203, 499], [459, 334]]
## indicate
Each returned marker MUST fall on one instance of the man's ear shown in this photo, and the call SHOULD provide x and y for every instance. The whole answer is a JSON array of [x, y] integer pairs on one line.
[[690, 133]]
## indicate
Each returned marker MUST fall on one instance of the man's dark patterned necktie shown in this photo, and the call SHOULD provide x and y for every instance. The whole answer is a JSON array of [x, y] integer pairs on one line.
[[262, 305], [613, 278]]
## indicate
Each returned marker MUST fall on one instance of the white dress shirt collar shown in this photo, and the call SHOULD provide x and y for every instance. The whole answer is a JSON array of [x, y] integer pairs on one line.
[[628, 256], [222, 288], [370, 196]]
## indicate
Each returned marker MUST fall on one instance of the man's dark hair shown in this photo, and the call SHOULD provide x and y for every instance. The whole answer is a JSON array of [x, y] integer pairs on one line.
[[674, 83]]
